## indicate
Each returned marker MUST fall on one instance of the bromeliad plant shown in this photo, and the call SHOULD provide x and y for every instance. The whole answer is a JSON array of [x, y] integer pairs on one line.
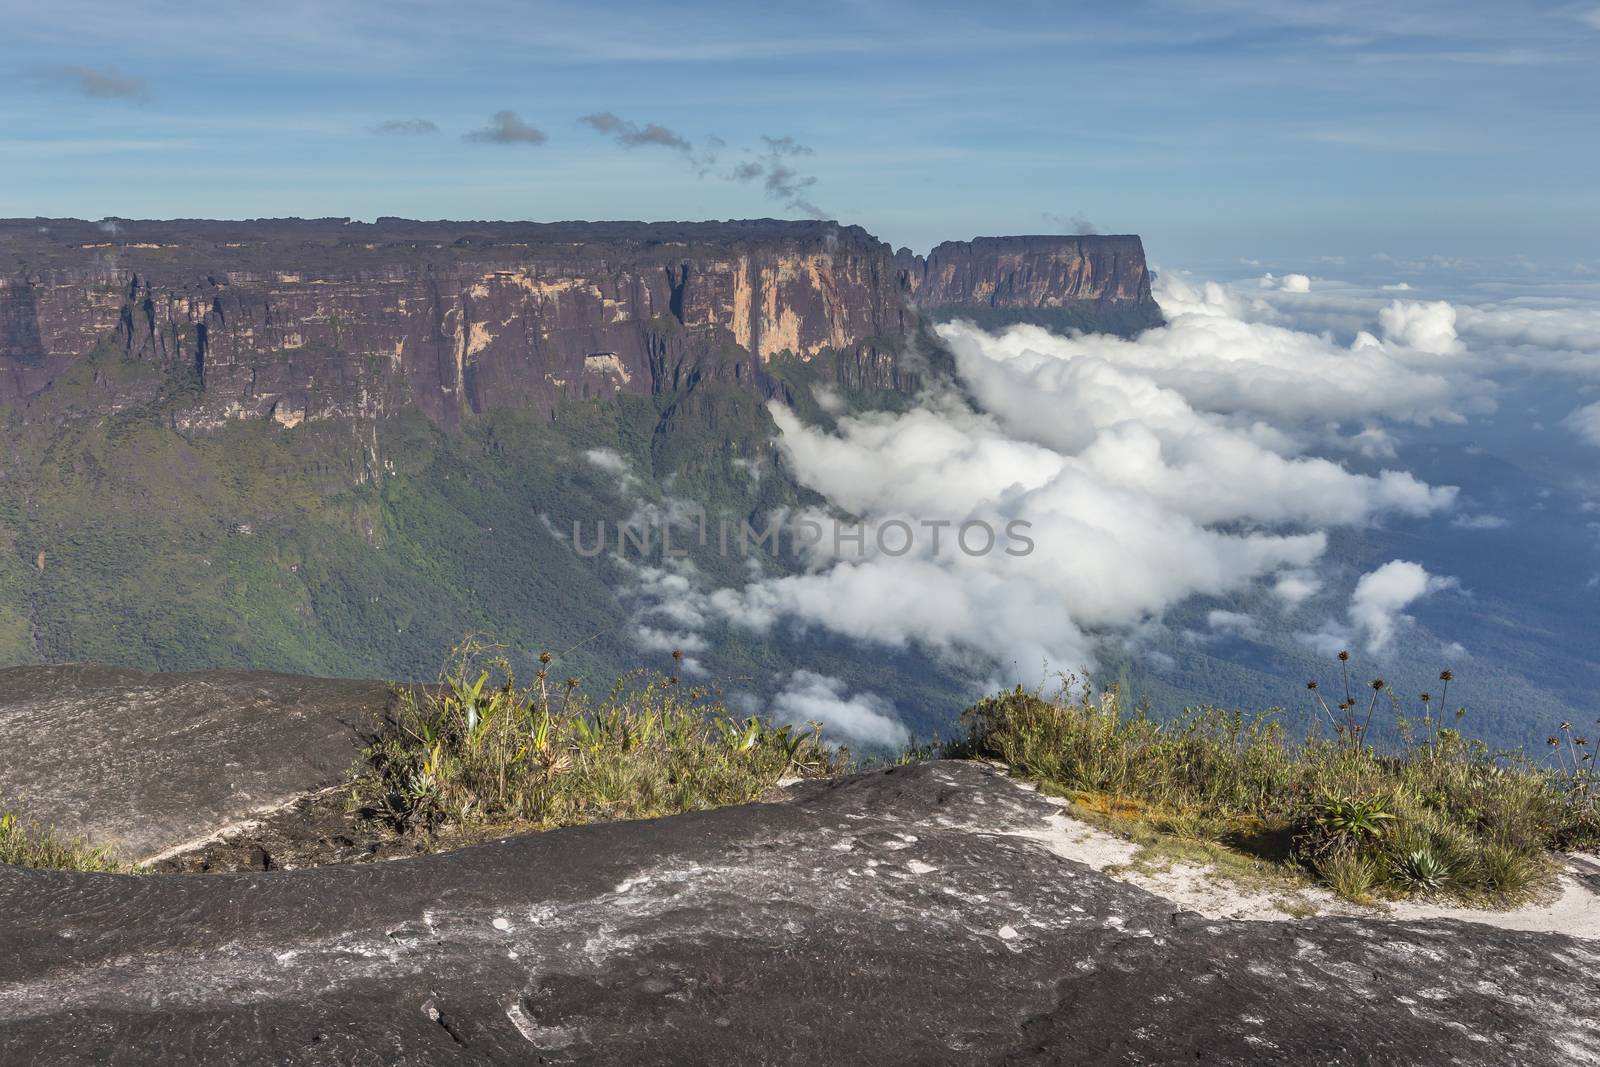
[[479, 753], [1348, 819]]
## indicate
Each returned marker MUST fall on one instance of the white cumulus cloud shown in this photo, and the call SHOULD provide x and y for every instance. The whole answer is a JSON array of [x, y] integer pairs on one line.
[[1217, 355], [1382, 595], [1296, 587], [1426, 327], [864, 718], [1585, 422]]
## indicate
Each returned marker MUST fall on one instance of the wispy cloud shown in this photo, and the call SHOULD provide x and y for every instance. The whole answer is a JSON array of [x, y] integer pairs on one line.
[[1077, 222], [100, 84], [1585, 422], [1390, 140], [406, 127], [92, 146], [1480, 522], [772, 164], [506, 127], [632, 135], [774, 167]]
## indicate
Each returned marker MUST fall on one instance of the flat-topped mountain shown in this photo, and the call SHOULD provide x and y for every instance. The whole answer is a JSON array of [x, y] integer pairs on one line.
[[333, 447], [305, 320]]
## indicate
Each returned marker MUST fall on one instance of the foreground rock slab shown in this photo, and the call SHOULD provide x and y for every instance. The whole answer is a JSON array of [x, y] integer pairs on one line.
[[896, 917], [146, 763]]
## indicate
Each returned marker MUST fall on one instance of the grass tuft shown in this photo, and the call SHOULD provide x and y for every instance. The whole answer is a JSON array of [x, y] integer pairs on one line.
[[1350, 875], [27, 845]]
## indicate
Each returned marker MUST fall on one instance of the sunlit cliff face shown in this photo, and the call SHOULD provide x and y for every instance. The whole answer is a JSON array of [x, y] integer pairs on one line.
[[366, 319]]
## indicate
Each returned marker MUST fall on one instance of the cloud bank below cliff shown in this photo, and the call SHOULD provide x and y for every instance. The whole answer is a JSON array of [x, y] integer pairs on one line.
[[1209, 457]]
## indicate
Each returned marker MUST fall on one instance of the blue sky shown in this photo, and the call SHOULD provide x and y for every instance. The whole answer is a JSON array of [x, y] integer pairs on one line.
[[1219, 131]]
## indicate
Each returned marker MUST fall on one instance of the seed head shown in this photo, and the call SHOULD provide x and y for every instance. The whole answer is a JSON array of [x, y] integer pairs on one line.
[[1447, 676], [1311, 684], [1377, 685], [1427, 697], [545, 658], [1344, 657]]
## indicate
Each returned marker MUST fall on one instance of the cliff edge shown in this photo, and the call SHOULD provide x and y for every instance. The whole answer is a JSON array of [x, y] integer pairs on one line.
[[297, 321], [913, 915]]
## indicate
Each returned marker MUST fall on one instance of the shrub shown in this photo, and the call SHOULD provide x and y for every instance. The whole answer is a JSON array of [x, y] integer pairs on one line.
[[1418, 869]]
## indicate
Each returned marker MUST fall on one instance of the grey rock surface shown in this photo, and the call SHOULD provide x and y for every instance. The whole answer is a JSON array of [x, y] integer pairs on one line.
[[896, 917], [146, 762]]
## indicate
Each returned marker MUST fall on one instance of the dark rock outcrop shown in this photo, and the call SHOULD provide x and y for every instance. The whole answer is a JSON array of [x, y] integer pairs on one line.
[[306, 320], [144, 763], [1036, 272], [1098, 284], [902, 916]]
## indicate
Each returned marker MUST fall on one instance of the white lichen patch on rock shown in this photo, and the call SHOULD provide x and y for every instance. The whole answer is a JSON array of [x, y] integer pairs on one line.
[[607, 363]]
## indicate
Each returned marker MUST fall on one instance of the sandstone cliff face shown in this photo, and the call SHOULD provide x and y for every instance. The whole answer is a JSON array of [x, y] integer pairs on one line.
[[1036, 272], [297, 321]]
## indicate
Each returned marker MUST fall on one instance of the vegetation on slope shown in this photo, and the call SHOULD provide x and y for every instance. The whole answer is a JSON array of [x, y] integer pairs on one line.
[[1439, 814], [359, 548], [27, 845], [478, 754]]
